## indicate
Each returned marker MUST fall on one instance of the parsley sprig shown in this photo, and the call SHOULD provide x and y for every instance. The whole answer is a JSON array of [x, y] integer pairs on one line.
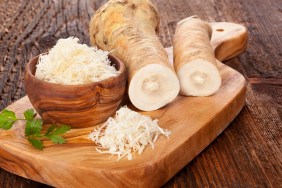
[[33, 128]]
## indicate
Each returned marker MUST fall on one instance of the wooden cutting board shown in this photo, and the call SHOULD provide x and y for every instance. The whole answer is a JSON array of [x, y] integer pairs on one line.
[[194, 122]]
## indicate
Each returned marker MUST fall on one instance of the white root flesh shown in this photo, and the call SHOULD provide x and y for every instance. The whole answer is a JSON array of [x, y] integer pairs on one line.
[[148, 85]]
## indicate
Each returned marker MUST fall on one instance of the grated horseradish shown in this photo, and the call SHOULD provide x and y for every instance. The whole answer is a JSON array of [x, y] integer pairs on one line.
[[128, 132], [71, 63]]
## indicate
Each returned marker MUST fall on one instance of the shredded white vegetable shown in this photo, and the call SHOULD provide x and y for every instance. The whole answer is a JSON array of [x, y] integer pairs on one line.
[[128, 132], [71, 63]]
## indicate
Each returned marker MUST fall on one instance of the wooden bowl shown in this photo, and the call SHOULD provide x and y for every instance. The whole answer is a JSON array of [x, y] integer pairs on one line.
[[75, 105]]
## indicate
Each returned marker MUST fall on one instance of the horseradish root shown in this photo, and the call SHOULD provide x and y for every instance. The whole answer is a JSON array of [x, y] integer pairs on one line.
[[194, 59], [128, 29]]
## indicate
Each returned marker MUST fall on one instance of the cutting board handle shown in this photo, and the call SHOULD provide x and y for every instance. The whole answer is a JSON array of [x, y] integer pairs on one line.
[[228, 40]]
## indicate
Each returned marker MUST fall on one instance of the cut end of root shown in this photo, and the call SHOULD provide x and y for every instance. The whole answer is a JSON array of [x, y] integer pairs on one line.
[[152, 87], [199, 78], [151, 84]]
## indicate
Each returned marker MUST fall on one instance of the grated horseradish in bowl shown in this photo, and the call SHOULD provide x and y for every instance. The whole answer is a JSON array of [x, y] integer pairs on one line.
[[75, 84]]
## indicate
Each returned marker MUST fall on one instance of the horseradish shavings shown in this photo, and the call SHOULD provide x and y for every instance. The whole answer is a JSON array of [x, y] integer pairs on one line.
[[71, 63], [128, 132]]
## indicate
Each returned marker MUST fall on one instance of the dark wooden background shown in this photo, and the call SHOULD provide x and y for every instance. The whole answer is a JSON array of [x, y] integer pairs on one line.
[[247, 154]]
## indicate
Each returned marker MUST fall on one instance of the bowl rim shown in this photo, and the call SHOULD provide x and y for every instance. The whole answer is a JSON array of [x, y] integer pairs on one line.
[[121, 73]]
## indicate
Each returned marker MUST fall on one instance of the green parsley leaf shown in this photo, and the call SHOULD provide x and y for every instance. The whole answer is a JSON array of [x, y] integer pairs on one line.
[[7, 119], [53, 133], [29, 114], [56, 139], [61, 130], [38, 144], [50, 129], [33, 127]]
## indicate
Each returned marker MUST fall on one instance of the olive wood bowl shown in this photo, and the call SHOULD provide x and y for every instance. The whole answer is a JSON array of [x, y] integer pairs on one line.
[[78, 106]]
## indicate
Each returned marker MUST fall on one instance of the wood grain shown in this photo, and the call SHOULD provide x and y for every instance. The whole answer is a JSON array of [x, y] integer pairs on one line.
[[228, 40], [66, 165], [247, 154], [78, 106], [191, 134]]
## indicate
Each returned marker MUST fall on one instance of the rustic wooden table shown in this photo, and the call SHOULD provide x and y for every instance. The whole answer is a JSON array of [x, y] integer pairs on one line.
[[247, 154]]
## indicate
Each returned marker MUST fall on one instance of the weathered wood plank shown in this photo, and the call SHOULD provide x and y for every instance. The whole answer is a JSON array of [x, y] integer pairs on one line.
[[248, 153]]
